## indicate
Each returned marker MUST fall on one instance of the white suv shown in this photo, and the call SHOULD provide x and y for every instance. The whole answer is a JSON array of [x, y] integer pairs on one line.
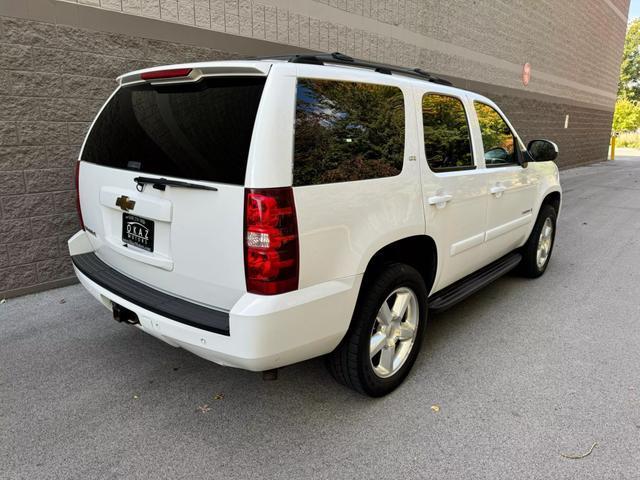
[[260, 213]]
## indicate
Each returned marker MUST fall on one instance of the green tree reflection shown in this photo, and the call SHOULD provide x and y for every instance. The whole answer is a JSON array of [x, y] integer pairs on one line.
[[347, 131]]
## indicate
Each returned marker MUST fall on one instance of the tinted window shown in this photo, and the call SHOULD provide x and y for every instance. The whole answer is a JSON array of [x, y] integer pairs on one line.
[[347, 131], [497, 139], [197, 131], [447, 142]]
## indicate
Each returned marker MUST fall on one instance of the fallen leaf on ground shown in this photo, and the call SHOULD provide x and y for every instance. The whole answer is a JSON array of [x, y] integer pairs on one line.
[[578, 457], [203, 408], [435, 408], [63, 301], [218, 396]]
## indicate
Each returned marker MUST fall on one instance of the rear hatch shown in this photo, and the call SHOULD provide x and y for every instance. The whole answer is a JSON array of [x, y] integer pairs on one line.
[[162, 176]]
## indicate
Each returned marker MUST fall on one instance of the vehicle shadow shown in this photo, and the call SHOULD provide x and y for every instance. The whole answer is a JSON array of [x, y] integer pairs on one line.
[[180, 374]]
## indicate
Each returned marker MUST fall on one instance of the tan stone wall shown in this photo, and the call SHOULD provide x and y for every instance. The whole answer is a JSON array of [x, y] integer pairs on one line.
[[569, 44], [53, 80]]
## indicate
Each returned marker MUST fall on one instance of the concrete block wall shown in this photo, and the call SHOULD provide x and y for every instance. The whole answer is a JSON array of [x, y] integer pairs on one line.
[[53, 80], [569, 44]]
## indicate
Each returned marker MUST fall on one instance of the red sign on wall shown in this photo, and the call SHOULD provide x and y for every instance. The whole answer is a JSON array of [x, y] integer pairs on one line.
[[526, 73]]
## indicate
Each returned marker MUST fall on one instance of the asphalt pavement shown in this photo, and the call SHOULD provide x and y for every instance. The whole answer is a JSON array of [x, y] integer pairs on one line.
[[508, 382]]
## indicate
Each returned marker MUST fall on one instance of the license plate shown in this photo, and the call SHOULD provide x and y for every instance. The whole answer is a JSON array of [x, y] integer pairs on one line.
[[137, 231]]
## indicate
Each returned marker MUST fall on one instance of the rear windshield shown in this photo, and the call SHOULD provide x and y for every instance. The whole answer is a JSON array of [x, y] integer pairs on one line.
[[198, 131]]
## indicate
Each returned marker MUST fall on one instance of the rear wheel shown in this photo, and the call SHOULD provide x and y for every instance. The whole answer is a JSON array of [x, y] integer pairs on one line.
[[385, 333], [536, 253]]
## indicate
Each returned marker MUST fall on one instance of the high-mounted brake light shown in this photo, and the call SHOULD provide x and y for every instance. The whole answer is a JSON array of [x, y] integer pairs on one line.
[[77, 178], [270, 241], [171, 73]]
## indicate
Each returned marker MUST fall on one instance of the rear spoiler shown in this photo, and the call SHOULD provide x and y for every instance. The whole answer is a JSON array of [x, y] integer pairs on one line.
[[188, 73]]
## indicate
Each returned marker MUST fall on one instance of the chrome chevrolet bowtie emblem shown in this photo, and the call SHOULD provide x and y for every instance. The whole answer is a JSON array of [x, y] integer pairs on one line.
[[125, 203]]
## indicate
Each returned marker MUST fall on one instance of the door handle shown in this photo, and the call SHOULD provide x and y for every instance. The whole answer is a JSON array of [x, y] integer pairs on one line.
[[497, 190], [440, 201]]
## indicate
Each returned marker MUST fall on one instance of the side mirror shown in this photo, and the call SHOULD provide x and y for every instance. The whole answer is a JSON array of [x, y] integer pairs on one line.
[[542, 150]]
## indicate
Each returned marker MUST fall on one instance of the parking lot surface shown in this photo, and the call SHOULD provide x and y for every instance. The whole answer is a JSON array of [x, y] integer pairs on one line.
[[506, 383]]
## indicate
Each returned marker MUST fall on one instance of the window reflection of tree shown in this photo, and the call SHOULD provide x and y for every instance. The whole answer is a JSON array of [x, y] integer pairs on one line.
[[495, 132], [446, 132], [347, 131]]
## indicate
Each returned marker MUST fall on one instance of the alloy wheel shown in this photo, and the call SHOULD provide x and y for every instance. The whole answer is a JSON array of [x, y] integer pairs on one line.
[[544, 243], [394, 332]]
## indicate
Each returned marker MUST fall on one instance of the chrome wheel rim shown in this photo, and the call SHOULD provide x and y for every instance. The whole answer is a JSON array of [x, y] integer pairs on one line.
[[394, 332], [544, 243]]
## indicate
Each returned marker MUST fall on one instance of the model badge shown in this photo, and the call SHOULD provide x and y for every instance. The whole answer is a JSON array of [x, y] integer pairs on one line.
[[125, 203]]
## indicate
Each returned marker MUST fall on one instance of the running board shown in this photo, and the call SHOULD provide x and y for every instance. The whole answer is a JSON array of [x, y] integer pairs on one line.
[[470, 284]]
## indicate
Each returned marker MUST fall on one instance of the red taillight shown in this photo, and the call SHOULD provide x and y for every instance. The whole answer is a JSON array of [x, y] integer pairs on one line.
[[171, 73], [270, 240], [77, 175]]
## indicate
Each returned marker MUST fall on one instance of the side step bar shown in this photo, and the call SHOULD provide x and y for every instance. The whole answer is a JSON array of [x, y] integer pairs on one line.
[[470, 284]]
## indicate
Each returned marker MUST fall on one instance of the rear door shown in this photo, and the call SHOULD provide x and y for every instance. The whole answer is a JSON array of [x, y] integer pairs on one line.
[[184, 239], [454, 188]]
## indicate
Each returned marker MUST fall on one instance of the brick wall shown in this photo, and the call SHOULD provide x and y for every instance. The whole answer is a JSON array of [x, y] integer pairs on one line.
[[53, 80]]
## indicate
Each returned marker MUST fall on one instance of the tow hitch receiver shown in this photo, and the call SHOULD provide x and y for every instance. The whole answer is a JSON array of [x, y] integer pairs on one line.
[[121, 314]]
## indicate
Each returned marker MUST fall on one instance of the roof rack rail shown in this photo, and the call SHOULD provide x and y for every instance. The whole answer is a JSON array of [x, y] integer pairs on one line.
[[338, 58]]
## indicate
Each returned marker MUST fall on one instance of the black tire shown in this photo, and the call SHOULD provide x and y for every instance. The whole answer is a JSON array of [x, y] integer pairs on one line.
[[529, 266], [350, 362]]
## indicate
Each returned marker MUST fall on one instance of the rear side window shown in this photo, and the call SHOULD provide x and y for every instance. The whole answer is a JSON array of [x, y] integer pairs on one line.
[[497, 138], [447, 143], [199, 131], [347, 131]]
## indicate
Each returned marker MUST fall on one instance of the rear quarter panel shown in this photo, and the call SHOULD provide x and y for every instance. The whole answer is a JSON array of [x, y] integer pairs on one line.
[[343, 225]]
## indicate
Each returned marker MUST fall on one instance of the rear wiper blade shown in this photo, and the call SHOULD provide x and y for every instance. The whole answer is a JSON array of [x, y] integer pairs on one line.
[[161, 184]]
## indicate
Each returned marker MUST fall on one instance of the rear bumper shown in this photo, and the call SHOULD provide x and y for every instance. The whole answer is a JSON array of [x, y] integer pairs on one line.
[[264, 332], [150, 299]]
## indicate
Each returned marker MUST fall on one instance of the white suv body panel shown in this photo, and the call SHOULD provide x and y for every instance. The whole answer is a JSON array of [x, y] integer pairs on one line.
[[339, 233], [269, 163]]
